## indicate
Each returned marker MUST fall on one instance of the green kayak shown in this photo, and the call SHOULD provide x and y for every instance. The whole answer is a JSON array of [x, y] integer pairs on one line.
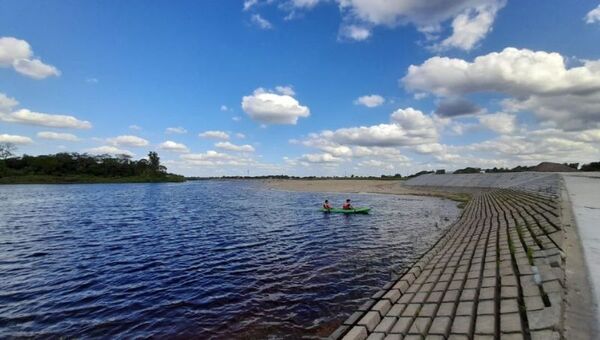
[[348, 211]]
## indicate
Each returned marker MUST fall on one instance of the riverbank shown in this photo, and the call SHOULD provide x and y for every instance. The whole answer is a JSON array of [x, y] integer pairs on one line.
[[74, 179], [503, 270], [395, 187]]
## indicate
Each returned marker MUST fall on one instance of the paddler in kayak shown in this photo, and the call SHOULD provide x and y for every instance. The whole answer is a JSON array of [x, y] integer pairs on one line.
[[327, 206], [347, 205]]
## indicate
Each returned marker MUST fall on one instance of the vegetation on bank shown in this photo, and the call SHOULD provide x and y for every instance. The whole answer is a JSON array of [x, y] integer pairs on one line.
[[81, 168]]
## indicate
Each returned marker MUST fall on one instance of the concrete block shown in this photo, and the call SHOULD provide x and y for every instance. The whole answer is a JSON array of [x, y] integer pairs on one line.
[[396, 310], [462, 325], [370, 320], [440, 325], [485, 324], [402, 325], [509, 306], [510, 323], [420, 326], [356, 333], [465, 308], [486, 307], [386, 324]]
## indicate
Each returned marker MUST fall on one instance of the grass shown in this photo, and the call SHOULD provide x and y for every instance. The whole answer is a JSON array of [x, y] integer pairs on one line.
[[71, 179]]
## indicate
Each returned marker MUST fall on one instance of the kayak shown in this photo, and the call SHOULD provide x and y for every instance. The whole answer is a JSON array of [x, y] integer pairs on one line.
[[347, 211]]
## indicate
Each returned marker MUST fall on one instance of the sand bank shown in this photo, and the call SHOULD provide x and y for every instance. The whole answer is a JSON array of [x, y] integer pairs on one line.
[[363, 186]]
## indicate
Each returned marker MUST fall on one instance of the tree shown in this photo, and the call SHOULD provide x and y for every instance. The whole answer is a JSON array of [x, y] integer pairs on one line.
[[7, 150], [154, 161]]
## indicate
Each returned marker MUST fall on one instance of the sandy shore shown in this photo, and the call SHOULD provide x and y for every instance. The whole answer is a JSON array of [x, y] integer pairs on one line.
[[357, 186]]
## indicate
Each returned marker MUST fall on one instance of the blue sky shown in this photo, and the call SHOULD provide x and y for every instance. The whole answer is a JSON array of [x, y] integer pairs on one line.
[[304, 87]]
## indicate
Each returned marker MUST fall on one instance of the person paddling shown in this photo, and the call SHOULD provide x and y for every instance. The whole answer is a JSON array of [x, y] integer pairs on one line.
[[347, 205], [327, 206]]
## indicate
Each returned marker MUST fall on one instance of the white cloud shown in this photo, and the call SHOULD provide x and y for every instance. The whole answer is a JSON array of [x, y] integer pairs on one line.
[[25, 116], [135, 127], [224, 108], [214, 135], [57, 136], [240, 135], [17, 53], [471, 20], [272, 108], [372, 100], [537, 81], [409, 127], [261, 22], [593, 16], [214, 158], [471, 26], [108, 149], [355, 32], [7, 103], [177, 130], [35, 68], [249, 4], [236, 119], [285, 90], [233, 147], [500, 122], [320, 158], [91, 80], [305, 3], [15, 139], [173, 146], [128, 140]]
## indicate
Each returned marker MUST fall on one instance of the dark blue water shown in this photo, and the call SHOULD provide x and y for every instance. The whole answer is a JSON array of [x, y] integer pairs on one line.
[[209, 259]]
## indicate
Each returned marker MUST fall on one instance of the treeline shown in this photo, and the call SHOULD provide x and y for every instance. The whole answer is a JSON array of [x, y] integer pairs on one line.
[[74, 167]]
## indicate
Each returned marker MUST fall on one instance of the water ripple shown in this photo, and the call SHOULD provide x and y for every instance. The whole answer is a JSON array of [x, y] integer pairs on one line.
[[213, 260]]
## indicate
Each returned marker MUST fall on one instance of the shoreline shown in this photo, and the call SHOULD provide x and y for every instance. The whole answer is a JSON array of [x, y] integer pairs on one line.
[[500, 270], [387, 187], [36, 179]]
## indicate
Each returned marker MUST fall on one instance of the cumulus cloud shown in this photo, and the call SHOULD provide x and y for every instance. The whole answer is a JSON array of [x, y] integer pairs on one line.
[[25, 116], [452, 107], [372, 100], [7, 103], [470, 20], [471, 26], [593, 16], [17, 53], [214, 158], [501, 122], [355, 32], [233, 147], [57, 136], [15, 139], [320, 158], [173, 146], [128, 140], [269, 107], [110, 150], [212, 134], [534, 81], [176, 130], [249, 4], [224, 108], [408, 127], [261, 22]]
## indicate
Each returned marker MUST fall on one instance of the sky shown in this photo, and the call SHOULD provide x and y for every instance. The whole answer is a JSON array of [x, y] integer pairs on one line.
[[304, 87]]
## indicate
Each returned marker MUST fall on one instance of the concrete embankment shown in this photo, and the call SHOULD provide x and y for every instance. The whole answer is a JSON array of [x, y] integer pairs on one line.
[[498, 272]]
